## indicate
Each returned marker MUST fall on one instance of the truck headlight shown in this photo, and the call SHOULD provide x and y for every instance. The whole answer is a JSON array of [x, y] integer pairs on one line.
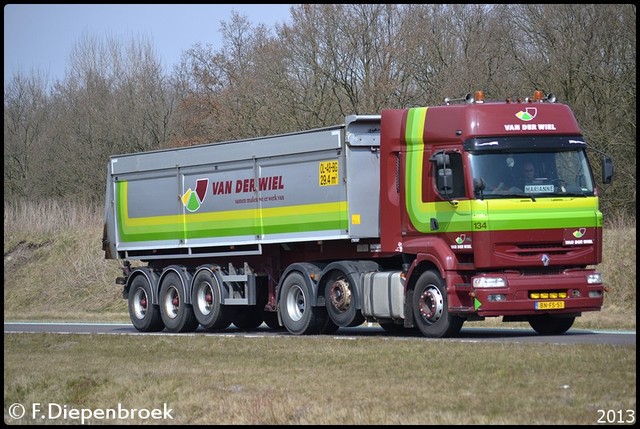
[[594, 279], [489, 282]]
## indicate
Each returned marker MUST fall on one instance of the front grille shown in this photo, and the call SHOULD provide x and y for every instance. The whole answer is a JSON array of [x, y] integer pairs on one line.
[[541, 271], [531, 249]]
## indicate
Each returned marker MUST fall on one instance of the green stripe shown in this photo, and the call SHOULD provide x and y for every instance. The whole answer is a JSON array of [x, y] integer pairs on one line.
[[232, 232], [191, 228], [415, 153], [451, 219], [570, 213]]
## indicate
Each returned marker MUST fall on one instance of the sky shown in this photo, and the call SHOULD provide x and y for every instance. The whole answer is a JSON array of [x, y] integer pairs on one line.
[[40, 37]]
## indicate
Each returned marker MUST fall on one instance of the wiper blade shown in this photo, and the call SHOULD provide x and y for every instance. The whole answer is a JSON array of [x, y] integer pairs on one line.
[[517, 196], [571, 194]]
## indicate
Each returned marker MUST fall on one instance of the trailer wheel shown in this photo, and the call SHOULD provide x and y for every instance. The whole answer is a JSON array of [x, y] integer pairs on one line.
[[144, 315], [206, 297], [177, 315], [298, 316], [341, 300], [430, 309], [545, 324]]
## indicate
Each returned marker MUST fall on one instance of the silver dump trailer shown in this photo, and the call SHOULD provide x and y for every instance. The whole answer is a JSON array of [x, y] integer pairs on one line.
[[219, 226], [234, 197]]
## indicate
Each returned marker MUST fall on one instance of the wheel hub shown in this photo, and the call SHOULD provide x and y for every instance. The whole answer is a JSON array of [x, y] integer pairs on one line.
[[204, 298], [340, 295], [431, 304], [140, 304]]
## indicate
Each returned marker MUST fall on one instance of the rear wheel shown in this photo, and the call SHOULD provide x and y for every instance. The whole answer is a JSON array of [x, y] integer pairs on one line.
[[144, 315], [430, 310], [176, 314], [206, 297], [341, 300], [298, 316], [545, 324]]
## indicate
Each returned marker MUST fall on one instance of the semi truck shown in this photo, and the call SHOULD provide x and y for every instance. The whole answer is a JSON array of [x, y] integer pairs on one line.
[[414, 218]]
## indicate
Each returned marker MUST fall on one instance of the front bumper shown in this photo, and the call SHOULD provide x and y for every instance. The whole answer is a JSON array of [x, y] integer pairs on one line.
[[567, 292]]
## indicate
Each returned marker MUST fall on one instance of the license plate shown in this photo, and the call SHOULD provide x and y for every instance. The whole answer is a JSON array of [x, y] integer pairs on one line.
[[549, 305]]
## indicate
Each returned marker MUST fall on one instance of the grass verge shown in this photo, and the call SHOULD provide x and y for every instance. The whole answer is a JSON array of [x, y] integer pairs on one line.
[[317, 380]]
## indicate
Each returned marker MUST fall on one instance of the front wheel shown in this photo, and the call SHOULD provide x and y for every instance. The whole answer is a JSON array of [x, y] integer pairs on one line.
[[545, 324], [430, 310]]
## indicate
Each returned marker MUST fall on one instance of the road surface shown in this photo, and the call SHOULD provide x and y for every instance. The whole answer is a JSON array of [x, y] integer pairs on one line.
[[468, 334]]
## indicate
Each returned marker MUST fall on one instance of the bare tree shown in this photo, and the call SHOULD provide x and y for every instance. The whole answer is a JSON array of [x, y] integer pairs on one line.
[[226, 94], [586, 55], [115, 99], [26, 116]]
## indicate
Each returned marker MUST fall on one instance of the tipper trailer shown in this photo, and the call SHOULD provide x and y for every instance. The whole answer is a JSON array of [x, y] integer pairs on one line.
[[416, 217]]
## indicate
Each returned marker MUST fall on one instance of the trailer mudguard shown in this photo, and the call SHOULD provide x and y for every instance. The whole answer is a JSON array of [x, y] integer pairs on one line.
[[311, 273], [185, 280], [152, 278]]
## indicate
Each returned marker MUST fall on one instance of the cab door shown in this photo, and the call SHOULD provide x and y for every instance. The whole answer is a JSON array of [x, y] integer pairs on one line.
[[436, 197]]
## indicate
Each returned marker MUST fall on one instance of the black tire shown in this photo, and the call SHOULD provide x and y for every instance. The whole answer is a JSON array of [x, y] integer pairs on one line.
[[297, 314], [430, 311], [248, 318], [176, 314], [545, 324], [206, 297], [340, 300], [144, 315]]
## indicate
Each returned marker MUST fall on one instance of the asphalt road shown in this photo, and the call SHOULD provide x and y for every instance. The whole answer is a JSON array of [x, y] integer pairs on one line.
[[468, 334]]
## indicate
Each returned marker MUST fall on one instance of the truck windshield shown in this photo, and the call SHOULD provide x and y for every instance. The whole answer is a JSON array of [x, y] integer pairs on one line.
[[531, 174]]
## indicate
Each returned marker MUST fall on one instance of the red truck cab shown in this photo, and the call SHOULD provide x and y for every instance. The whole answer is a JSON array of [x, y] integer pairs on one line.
[[455, 202]]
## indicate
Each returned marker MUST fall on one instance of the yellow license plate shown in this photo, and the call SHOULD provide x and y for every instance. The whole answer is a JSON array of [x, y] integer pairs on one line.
[[549, 305]]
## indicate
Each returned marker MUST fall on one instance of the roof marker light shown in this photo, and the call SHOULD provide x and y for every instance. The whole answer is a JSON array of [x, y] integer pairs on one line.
[[538, 95]]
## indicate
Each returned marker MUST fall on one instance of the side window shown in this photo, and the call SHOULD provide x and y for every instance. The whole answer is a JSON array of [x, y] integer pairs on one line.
[[448, 176]]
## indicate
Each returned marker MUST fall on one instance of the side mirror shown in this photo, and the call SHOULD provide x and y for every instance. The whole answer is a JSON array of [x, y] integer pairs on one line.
[[445, 181], [444, 175], [441, 159], [478, 185]]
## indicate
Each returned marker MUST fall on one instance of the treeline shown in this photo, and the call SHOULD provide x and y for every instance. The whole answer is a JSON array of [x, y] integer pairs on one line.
[[325, 62]]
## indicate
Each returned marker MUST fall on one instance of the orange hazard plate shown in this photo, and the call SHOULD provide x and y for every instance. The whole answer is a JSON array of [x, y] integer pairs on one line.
[[549, 305]]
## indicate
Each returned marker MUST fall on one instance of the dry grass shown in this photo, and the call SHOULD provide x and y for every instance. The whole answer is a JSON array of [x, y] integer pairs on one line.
[[321, 380]]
